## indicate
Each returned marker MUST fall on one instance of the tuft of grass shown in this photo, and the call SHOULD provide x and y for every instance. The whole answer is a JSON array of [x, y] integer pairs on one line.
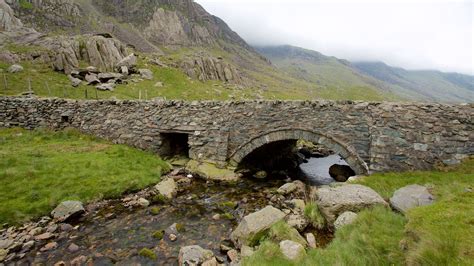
[[268, 253], [282, 231], [312, 212], [147, 253], [41, 168]]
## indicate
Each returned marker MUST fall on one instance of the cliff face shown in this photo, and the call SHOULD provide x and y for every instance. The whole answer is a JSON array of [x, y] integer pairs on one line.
[[143, 24]]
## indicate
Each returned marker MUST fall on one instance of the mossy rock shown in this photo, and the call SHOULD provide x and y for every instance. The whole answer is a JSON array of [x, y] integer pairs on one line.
[[155, 210], [227, 216], [147, 253], [158, 198], [159, 234], [228, 204], [180, 227], [211, 171]]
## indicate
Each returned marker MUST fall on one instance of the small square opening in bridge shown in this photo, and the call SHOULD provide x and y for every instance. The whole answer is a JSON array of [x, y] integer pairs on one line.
[[174, 144]]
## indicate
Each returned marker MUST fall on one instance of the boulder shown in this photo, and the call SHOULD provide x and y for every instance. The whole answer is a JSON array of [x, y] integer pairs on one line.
[[295, 186], [344, 219], [15, 68], [341, 173], [255, 225], [66, 210], [124, 70], [129, 61], [146, 73], [297, 221], [334, 200], [193, 255], [106, 87], [92, 79], [104, 77], [410, 197], [75, 82], [292, 250], [167, 188]]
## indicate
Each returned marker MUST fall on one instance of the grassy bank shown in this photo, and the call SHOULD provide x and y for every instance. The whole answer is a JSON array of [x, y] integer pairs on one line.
[[439, 234], [39, 169]]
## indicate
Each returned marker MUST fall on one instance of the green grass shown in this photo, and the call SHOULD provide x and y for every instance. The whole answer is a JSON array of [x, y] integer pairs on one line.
[[438, 234], [311, 211], [39, 169]]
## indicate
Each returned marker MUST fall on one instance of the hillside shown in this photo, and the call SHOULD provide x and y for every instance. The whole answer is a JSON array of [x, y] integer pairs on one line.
[[188, 53], [430, 85], [328, 71]]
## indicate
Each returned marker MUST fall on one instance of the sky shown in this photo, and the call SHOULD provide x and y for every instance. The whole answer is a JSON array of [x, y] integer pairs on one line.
[[413, 34]]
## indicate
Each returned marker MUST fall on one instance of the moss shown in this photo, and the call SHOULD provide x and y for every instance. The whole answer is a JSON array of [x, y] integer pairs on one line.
[[25, 4], [312, 212], [282, 231], [147, 253], [180, 227], [228, 204], [158, 198], [227, 216], [159, 234], [155, 210], [210, 171]]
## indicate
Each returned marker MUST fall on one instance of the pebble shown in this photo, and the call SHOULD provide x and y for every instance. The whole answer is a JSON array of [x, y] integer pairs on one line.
[[79, 260], [49, 246], [233, 255], [216, 217], [65, 227], [311, 240], [28, 245], [173, 237], [44, 236], [73, 248]]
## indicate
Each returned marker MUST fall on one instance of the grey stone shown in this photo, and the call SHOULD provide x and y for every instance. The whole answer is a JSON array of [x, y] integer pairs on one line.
[[106, 87], [49, 246], [292, 250], [344, 219], [297, 221], [66, 210], [167, 188], [28, 245], [333, 201], [73, 248], [193, 255], [129, 61], [143, 202], [255, 224], [146, 73], [295, 186], [5, 243], [410, 197], [3, 254], [15, 68], [75, 82], [311, 240], [246, 251]]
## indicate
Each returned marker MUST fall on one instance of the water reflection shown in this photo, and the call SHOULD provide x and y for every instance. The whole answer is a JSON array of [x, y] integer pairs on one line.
[[316, 170]]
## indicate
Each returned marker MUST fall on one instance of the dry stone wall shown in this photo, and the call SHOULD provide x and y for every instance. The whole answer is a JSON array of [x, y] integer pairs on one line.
[[386, 136]]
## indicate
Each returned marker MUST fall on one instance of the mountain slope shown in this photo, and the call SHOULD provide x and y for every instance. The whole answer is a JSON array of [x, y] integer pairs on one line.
[[431, 85], [332, 72]]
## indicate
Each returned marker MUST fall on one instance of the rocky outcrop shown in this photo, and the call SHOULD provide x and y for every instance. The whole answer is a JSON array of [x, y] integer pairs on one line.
[[410, 197], [98, 51], [333, 201], [255, 225], [8, 21], [204, 67]]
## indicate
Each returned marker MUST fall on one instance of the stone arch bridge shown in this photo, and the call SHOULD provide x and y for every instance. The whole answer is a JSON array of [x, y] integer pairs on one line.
[[370, 136]]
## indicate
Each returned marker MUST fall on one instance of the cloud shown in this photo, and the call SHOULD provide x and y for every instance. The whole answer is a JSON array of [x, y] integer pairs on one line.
[[410, 34]]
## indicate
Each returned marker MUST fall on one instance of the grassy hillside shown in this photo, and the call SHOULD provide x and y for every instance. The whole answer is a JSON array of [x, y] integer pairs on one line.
[[438, 234], [39, 169]]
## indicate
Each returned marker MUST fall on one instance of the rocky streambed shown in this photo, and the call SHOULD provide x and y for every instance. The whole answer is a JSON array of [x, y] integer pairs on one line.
[[185, 220]]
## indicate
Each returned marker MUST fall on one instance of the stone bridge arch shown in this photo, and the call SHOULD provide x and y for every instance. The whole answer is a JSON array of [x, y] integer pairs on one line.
[[347, 152]]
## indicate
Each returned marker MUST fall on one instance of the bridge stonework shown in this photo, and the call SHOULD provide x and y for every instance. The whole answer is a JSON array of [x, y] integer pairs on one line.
[[371, 136]]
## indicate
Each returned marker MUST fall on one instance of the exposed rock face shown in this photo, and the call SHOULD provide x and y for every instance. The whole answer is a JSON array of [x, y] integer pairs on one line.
[[8, 21], [255, 224], [67, 209], [345, 219], [193, 255], [410, 197], [333, 201], [292, 250], [210, 68]]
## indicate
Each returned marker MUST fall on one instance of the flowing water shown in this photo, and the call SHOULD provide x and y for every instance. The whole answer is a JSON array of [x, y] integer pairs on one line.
[[116, 234], [316, 170]]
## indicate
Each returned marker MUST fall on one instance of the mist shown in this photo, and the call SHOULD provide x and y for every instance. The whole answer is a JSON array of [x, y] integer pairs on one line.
[[412, 34]]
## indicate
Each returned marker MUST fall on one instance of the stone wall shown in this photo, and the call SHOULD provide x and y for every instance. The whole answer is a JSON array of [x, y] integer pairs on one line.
[[385, 136]]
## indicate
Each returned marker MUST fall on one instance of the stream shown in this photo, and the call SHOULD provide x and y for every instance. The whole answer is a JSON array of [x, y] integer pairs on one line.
[[114, 234]]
